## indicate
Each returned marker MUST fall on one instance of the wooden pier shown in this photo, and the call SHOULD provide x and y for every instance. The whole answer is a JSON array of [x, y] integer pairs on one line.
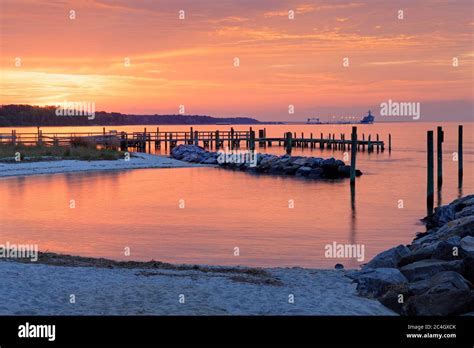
[[231, 139]]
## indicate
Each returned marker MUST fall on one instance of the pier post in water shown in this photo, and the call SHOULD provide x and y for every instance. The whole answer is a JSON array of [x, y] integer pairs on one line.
[[218, 141], [430, 173], [439, 151], [353, 154], [460, 160], [389, 142], [288, 143], [252, 140], [196, 138]]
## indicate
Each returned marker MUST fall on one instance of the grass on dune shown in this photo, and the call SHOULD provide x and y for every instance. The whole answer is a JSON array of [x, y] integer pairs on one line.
[[41, 152]]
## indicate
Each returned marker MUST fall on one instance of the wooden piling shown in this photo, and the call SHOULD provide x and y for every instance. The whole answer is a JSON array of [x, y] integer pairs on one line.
[[288, 143], [252, 140], [218, 141], [460, 154], [389, 142], [353, 154], [439, 151], [430, 174]]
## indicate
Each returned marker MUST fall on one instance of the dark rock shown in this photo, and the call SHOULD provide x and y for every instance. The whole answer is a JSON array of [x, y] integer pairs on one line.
[[291, 170], [445, 303], [448, 249], [375, 282], [420, 254], [395, 299], [440, 282], [460, 227], [330, 168], [303, 171], [446, 213], [388, 258], [469, 268], [339, 266], [314, 162], [426, 268], [316, 173], [441, 216], [467, 211], [467, 246], [301, 161], [344, 171]]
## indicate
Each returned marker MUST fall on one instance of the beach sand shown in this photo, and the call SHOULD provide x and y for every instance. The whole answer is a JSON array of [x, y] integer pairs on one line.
[[137, 161], [108, 288]]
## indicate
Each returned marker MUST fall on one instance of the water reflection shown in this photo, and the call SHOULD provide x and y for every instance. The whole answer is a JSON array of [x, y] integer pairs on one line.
[[224, 209]]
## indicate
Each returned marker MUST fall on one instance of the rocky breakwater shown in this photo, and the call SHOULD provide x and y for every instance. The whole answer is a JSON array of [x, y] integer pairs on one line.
[[434, 275], [306, 167]]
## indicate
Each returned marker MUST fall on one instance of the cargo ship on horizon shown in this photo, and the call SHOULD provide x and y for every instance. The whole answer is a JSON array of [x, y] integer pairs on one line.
[[367, 119]]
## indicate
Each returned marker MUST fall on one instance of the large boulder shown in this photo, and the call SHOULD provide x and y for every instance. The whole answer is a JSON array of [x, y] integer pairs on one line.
[[388, 258], [316, 173], [453, 302], [460, 227], [467, 211], [467, 246], [291, 169], [375, 282], [303, 171], [314, 162], [469, 268], [446, 213], [426, 268], [330, 168], [448, 249], [301, 161], [440, 282], [395, 299], [423, 252]]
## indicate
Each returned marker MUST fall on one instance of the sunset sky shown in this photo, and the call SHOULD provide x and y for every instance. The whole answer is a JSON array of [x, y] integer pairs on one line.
[[283, 61]]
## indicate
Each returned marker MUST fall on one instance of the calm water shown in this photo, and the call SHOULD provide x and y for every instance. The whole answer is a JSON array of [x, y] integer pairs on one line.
[[223, 209]]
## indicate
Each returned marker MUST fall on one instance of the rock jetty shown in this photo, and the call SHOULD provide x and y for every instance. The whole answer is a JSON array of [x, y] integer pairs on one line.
[[299, 166], [434, 275]]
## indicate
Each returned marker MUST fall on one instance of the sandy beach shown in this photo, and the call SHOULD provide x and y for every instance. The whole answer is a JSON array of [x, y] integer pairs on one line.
[[137, 161], [110, 288]]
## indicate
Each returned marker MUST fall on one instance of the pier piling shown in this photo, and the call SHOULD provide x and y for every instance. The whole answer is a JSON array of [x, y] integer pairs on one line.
[[353, 154], [288, 143], [460, 154], [430, 174], [439, 150]]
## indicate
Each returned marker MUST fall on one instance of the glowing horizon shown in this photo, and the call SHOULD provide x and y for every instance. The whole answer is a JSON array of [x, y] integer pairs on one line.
[[283, 61]]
